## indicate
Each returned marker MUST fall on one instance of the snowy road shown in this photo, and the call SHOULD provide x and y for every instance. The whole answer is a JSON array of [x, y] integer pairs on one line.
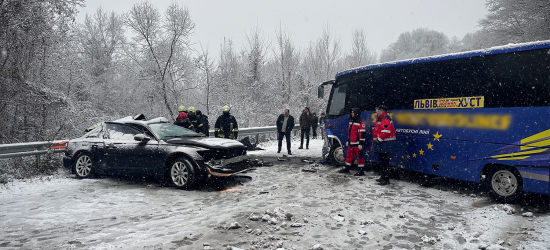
[[291, 205]]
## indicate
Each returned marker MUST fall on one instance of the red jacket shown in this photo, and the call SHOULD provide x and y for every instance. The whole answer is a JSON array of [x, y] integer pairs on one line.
[[356, 132], [383, 129]]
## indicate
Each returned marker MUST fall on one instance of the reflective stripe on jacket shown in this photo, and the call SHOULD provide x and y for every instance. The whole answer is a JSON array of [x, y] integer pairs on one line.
[[383, 129], [357, 133]]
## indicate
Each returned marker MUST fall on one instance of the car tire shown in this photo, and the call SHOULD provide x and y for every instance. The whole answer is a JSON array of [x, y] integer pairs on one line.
[[505, 184], [84, 166], [336, 156], [181, 173]]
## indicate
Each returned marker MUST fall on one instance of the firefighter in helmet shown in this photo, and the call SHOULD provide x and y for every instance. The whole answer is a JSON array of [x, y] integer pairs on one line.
[[226, 125]]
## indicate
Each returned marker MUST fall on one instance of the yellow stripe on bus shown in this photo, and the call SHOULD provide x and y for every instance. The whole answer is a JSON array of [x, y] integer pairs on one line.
[[539, 136], [512, 158], [520, 153]]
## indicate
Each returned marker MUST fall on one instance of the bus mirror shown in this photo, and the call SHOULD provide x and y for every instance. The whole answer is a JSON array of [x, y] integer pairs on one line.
[[321, 91]]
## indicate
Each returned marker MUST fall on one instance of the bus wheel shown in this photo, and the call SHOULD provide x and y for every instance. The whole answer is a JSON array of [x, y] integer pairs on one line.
[[336, 156], [505, 184]]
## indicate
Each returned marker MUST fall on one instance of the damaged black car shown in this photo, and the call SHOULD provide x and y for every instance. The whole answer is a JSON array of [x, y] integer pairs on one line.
[[133, 146]]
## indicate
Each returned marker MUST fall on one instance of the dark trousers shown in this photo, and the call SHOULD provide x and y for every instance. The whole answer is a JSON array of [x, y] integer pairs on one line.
[[304, 131], [384, 160], [280, 139], [314, 129]]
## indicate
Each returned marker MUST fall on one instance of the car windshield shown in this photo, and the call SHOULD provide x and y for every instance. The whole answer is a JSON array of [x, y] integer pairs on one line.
[[167, 131]]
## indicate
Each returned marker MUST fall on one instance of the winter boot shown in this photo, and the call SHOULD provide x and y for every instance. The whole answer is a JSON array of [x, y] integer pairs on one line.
[[301, 147], [344, 170], [384, 182], [360, 173]]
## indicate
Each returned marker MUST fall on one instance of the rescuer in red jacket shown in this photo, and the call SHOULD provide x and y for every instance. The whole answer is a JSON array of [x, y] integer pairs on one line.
[[356, 142], [383, 138]]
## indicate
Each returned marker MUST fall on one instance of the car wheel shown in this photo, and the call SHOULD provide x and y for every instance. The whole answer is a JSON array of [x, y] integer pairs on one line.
[[181, 173], [83, 166], [336, 156], [505, 184]]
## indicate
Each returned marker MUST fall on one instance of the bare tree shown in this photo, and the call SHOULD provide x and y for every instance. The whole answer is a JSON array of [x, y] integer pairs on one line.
[[360, 53], [328, 50], [287, 59], [418, 43], [206, 64], [31, 33], [100, 36], [517, 20], [162, 41]]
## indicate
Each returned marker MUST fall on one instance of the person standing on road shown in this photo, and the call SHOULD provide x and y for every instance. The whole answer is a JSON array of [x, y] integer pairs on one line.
[[285, 124], [383, 138], [314, 126], [356, 141], [305, 125], [204, 126], [226, 125]]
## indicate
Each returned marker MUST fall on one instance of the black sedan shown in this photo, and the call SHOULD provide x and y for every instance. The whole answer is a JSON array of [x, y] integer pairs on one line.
[[138, 147]]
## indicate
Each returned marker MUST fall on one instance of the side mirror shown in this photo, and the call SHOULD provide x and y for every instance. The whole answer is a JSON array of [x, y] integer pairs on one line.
[[141, 137], [321, 91]]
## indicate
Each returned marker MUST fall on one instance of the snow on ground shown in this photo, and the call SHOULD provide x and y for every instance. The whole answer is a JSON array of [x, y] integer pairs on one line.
[[290, 205], [270, 149]]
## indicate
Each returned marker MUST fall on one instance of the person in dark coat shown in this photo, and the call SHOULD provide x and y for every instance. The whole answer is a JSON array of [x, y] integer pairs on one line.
[[306, 119], [383, 140], [183, 121], [226, 125], [193, 119], [314, 126], [203, 126], [285, 124]]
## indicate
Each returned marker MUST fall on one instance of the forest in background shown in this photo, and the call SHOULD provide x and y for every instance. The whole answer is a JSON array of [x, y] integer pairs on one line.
[[58, 77]]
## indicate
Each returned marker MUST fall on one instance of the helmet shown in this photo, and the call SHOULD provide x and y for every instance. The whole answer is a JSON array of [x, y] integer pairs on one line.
[[225, 108], [192, 109], [182, 109]]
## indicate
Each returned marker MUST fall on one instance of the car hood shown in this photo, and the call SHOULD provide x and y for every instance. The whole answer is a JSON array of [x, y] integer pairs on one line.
[[206, 142]]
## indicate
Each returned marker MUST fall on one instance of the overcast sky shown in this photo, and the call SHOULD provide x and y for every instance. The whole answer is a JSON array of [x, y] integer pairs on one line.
[[305, 20]]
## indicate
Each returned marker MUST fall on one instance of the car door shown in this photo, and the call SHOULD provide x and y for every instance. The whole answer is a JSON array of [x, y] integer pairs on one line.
[[127, 155]]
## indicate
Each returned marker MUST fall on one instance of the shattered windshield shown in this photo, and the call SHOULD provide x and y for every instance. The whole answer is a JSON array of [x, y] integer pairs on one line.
[[168, 131]]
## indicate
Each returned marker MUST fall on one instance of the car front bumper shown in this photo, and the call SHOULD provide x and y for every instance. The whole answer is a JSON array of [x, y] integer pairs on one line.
[[228, 167]]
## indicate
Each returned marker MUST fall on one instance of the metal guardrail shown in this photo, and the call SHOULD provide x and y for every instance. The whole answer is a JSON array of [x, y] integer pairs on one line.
[[44, 147], [24, 149], [243, 132]]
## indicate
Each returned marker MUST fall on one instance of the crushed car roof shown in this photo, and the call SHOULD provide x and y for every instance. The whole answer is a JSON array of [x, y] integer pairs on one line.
[[141, 119]]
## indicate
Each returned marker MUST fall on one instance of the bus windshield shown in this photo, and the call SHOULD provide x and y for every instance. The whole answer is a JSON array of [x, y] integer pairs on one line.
[[338, 100]]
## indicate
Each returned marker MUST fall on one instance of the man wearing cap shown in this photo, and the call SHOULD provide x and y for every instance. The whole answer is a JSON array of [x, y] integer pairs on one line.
[[226, 125], [383, 138]]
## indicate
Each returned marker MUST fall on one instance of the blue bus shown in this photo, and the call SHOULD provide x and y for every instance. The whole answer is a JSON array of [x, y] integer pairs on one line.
[[480, 116]]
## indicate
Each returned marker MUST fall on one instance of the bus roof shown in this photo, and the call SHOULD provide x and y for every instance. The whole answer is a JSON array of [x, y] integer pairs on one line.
[[490, 51]]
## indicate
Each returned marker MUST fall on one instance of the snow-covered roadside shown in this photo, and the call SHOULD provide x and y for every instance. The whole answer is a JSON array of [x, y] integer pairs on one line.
[[328, 211], [270, 149]]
